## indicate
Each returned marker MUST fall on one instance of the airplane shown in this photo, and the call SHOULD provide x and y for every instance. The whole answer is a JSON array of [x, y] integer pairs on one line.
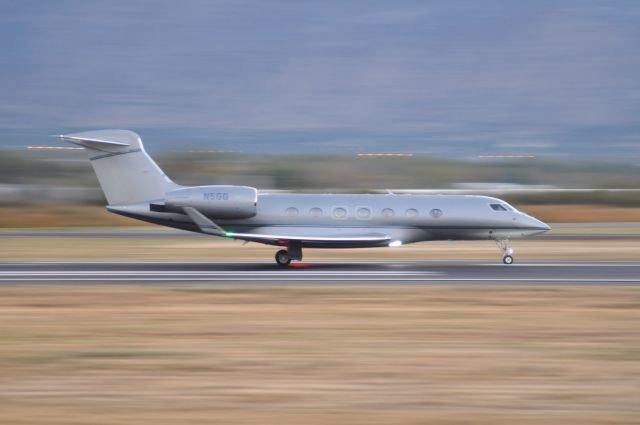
[[134, 186]]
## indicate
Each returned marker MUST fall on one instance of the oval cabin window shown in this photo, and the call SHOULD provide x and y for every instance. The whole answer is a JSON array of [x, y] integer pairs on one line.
[[364, 213], [315, 212], [339, 212], [387, 213], [292, 211], [411, 212]]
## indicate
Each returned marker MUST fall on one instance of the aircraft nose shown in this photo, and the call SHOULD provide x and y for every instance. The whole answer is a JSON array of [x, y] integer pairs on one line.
[[537, 225]]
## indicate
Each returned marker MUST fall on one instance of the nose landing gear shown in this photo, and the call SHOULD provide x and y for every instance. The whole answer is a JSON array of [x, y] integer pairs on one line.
[[507, 251]]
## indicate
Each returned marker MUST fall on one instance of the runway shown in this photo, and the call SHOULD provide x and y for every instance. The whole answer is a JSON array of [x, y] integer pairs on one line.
[[347, 273]]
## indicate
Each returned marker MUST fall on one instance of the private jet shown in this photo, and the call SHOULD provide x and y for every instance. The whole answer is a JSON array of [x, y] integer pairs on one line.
[[134, 186]]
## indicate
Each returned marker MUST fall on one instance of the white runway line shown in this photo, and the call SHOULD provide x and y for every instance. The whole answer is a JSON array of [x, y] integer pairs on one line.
[[608, 264], [165, 276], [4, 276], [219, 272], [318, 279], [400, 263]]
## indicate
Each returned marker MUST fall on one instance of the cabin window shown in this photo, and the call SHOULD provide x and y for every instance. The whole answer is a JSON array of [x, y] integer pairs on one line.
[[435, 213], [498, 207], [387, 213], [315, 212], [292, 211], [340, 212], [363, 213], [411, 212]]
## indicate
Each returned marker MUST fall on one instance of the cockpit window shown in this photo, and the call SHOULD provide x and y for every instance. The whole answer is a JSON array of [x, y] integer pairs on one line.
[[498, 207]]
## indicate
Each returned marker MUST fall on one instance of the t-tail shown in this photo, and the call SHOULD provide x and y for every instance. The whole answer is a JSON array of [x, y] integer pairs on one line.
[[126, 173]]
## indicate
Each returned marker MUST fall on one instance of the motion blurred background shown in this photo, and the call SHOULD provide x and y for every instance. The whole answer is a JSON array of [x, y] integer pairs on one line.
[[515, 99], [537, 102]]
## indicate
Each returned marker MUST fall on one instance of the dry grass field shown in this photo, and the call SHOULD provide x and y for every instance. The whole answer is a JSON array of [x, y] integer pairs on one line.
[[319, 355], [61, 215]]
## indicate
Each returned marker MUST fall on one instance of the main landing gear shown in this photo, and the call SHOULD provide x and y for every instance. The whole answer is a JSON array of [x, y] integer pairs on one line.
[[282, 258], [507, 250], [294, 252]]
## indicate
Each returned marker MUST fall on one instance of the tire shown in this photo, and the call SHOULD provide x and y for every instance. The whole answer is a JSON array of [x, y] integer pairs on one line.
[[507, 259], [282, 258]]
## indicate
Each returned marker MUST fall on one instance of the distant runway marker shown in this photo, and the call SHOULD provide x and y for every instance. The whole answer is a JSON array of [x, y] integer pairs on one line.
[[55, 148]]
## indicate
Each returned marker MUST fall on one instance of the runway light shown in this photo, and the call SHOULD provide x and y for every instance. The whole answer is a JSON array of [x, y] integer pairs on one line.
[[506, 156], [406, 155], [55, 148], [393, 244]]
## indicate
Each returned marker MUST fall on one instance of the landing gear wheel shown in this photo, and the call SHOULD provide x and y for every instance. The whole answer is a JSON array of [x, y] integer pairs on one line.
[[282, 258], [507, 250]]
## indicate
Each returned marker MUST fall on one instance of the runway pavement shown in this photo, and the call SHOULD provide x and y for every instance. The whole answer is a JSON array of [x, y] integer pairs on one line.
[[219, 273]]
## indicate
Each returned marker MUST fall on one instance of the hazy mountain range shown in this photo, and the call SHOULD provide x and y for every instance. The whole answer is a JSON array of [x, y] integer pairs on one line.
[[456, 78]]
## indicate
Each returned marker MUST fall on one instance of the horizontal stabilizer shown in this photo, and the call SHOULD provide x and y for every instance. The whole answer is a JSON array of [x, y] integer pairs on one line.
[[97, 144]]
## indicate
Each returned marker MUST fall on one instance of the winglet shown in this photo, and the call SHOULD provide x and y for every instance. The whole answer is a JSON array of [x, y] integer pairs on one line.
[[204, 224]]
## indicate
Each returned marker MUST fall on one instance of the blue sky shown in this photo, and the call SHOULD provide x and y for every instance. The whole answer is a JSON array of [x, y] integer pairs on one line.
[[432, 76]]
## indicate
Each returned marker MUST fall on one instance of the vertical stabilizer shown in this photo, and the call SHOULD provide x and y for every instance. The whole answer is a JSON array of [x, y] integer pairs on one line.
[[126, 173]]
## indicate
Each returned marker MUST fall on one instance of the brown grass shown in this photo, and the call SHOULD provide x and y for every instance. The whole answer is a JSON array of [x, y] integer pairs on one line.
[[319, 355], [581, 213], [61, 215], [208, 248]]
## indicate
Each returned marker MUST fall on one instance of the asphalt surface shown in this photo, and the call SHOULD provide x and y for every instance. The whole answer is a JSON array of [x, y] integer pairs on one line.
[[568, 273]]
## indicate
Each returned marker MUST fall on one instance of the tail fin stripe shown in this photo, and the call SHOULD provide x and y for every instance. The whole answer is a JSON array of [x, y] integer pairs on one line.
[[108, 155]]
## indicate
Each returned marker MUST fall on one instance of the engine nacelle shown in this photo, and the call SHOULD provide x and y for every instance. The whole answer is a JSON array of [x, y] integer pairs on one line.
[[215, 201]]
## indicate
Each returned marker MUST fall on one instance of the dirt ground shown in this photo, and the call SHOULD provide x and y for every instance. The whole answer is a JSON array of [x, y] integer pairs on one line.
[[319, 355]]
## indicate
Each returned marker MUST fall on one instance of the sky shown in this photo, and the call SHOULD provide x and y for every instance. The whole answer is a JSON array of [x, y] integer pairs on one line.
[[553, 78]]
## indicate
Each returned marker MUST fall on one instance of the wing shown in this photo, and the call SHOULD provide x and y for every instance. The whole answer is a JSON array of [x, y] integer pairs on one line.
[[311, 237], [336, 239]]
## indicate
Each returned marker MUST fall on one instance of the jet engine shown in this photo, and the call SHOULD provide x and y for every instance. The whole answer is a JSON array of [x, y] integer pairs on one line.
[[230, 202]]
